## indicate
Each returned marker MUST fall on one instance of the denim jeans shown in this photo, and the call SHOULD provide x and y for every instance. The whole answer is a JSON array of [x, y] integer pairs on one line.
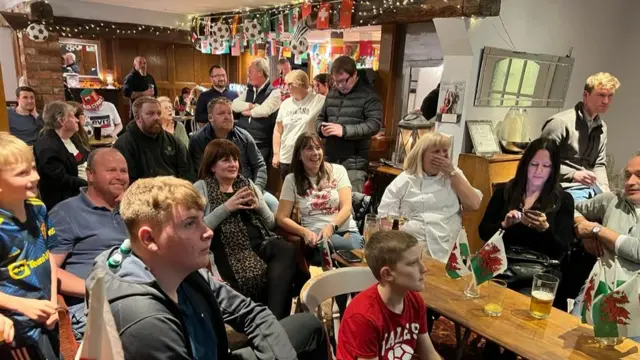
[[581, 193], [78, 320], [272, 201]]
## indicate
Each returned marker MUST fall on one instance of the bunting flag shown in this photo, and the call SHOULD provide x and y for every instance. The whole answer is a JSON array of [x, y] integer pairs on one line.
[[293, 17], [490, 260], [617, 314], [253, 47], [279, 25], [265, 23], [305, 9], [346, 8], [286, 52], [337, 43], [101, 340], [366, 44], [236, 49], [324, 12]]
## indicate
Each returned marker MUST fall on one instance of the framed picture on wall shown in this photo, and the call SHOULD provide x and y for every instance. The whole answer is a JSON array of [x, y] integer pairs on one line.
[[484, 139]]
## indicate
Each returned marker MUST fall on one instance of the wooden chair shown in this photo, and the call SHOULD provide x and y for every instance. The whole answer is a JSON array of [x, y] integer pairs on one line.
[[331, 284]]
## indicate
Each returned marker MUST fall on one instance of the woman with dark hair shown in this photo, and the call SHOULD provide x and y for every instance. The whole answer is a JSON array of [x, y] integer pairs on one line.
[[321, 192], [532, 209], [81, 136], [250, 257], [322, 84], [182, 101]]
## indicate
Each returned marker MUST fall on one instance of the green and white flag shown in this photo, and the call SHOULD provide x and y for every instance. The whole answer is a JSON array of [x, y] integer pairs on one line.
[[617, 314], [596, 285], [490, 260], [463, 243], [457, 262]]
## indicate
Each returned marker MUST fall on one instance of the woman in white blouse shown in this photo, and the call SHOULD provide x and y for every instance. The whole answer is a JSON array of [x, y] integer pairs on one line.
[[430, 193]]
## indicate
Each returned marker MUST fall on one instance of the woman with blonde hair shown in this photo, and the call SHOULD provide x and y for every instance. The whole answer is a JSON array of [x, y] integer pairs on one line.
[[296, 116], [169, 124], [430, 193]]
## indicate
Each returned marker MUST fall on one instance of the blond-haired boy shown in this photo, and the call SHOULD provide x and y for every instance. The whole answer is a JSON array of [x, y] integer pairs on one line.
[[28, 286], [389, 317]]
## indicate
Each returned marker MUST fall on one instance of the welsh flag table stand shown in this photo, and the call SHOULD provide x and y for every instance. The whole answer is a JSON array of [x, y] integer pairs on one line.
[[616, 315]]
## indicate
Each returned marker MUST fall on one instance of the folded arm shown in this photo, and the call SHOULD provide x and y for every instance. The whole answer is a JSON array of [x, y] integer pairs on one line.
[[268, 107]]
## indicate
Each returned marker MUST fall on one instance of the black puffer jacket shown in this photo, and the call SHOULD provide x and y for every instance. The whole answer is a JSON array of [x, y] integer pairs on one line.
[[360, 114]]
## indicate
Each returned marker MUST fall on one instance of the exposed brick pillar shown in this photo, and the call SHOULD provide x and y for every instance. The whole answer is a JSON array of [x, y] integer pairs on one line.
[[40, 65]]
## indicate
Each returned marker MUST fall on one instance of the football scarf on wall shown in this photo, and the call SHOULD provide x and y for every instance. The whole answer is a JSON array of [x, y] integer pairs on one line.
[[490, 260]]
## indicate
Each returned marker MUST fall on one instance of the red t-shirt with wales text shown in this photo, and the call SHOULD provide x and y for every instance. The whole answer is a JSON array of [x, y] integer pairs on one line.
[[369, 329]]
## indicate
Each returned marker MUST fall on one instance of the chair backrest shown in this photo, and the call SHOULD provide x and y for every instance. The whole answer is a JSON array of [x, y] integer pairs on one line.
[[336, 282]]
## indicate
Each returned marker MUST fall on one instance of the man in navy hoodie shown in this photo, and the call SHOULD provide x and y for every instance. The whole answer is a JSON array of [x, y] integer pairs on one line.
[[166, 303]]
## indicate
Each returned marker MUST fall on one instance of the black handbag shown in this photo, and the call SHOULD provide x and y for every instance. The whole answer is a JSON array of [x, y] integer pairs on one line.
[[523, 263]]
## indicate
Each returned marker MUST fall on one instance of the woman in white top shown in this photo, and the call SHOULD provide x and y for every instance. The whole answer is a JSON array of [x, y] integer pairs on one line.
[[297, 115], [430, 193], [321, 192]]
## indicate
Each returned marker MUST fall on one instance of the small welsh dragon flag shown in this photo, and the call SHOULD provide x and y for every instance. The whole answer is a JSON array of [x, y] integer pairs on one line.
[[617, 314], [595, 286], [490, 260], [456, 266]]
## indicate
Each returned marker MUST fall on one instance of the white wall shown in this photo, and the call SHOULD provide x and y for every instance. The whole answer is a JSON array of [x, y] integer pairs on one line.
[[428, 79], [86, 10], [623, 122], [592, 27], [8, 64]]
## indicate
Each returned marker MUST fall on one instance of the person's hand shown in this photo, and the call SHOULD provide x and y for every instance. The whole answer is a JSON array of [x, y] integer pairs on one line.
[[243, 199], [585, 229], [443, 164], [593, 246], [246, 113], [250, 106], [148, 92], [512, 217], [276, 161], [584, 177], [331, 129], [537, 222], [7, 331], [36, 310], [52, 321], [326, 232], [310, 238]]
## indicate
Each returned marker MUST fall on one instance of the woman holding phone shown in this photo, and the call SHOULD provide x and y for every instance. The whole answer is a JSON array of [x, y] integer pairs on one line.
[[532, 209], [250, 257]]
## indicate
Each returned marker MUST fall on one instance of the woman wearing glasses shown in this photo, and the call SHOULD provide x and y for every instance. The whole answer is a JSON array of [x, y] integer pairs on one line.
[[296, 116]]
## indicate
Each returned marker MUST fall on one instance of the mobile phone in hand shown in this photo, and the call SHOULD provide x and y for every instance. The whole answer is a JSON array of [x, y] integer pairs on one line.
[[349, 256], [535, 213]]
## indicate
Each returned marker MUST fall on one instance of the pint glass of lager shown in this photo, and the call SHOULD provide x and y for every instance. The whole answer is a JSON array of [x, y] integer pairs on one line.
[[543, 292]]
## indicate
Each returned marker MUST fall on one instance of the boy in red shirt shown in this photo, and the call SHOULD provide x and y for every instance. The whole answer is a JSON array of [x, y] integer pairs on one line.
[[388, 321]]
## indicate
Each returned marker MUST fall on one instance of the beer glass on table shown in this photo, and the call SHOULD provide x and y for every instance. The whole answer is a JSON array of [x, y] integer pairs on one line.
[[371, 225], [543, 291], [495, 297]]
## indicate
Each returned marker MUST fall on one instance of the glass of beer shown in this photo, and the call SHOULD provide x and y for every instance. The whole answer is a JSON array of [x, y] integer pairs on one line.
[[543, 291], [495, 297], [371, 225]]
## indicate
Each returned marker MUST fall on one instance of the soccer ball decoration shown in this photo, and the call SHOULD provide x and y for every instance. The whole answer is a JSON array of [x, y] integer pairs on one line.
[[253, 31], [37, 32], [400, 352], [300, 46], [221, 31], [217, 44]]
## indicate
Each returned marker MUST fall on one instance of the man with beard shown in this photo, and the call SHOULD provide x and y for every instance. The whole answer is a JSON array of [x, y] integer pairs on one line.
[[219, 88], [138, 82], [87, 225], [149, 150], [24, 122]]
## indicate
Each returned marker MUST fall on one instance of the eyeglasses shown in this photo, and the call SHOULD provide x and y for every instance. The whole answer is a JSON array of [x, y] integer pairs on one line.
[[341, 82]]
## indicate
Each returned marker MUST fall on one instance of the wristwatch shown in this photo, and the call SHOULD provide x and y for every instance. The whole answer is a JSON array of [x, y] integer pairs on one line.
[[596, 230], [335, 227]]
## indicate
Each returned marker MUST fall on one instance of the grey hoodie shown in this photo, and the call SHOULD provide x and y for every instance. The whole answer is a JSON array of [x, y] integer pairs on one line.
[[150, 324]]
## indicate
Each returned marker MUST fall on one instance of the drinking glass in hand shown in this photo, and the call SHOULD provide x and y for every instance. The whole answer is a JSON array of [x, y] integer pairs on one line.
[[543, 291], [495, 297], [371, 225]]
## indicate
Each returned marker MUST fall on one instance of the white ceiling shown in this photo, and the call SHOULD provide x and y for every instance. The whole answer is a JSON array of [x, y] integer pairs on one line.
[[189, 6]]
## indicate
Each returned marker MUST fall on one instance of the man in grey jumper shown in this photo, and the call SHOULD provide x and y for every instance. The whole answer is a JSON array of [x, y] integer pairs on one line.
[[582, 137], [609, 226]]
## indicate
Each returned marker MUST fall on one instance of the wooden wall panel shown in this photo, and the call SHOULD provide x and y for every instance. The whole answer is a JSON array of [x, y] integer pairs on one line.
[[185, 64]]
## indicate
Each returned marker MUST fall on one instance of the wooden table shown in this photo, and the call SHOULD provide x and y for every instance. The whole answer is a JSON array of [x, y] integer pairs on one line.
[[105, 141], [561, 336]]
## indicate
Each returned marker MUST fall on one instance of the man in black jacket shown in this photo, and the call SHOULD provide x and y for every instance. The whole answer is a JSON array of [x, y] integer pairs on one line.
[[149, 150], [166, 303], [138, 82], [350, 117], [218, 89], [258, 107]]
